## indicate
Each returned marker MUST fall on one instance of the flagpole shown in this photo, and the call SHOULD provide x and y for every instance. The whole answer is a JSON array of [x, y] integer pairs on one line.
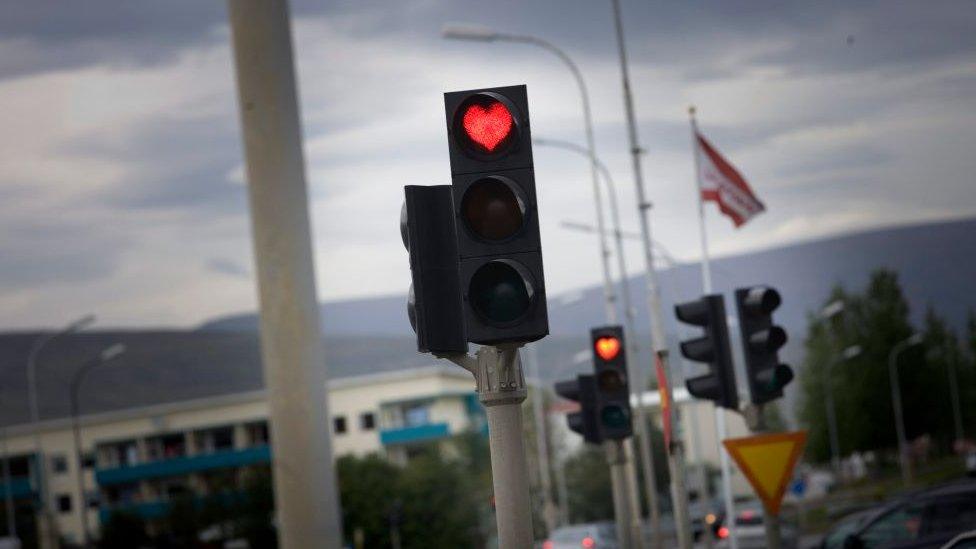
[[706, 268]]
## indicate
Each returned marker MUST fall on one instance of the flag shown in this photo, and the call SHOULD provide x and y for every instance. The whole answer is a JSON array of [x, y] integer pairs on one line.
[[662, 388], [722, 184]]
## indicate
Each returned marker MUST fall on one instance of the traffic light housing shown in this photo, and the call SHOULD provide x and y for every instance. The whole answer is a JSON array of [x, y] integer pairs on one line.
[[612, 387], [434, 302], [718, 384], [761, 341], [493, 182], [581, 390]]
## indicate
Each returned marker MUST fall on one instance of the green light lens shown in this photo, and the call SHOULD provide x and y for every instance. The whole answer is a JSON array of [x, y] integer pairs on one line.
[[499, 292], [614, 416]]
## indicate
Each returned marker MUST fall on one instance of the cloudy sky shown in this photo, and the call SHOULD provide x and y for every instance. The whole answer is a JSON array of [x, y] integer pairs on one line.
[[121, 186]]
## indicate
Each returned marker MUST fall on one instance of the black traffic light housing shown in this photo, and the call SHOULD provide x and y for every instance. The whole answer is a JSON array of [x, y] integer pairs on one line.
[[434, 303], [499, 249], [613, 415], [582, 390], [718, 384], [761, 341]]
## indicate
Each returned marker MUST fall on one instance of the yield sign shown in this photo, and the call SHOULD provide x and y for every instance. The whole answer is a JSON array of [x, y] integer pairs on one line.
[[768, 461]]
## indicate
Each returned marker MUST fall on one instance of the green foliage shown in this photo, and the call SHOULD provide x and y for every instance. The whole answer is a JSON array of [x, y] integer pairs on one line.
[[877, 319], [439, 501], [589, 496]]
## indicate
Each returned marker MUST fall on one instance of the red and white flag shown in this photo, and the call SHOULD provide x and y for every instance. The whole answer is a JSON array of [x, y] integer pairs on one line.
[[721, 183]]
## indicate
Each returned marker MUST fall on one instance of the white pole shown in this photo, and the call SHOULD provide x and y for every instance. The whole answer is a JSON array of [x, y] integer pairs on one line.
[[676, 452], [306, 500], [706, 267], [8, 496]]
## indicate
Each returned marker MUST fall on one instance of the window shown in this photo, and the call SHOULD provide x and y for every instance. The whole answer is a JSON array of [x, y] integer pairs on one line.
[[339, 424], [64, 503], [900, 524], [59, 464], [951, 514], [367, 421], [416, 415], [92, 500]]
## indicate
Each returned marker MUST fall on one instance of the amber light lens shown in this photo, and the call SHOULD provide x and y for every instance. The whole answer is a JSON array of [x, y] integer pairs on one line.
[[492, 210]]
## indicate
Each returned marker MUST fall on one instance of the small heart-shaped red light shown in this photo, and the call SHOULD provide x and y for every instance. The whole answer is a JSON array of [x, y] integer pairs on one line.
[[487, 127], [608, 348]]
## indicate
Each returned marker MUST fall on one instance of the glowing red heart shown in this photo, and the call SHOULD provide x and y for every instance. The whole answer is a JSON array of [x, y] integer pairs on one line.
[[608, 348], [487, 127]]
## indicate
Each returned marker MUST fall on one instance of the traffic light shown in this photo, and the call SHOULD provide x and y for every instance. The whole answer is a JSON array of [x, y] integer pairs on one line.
[[434, 303], [492, 177], [761, 341], [582, 390], [718, 385], [612, 388]]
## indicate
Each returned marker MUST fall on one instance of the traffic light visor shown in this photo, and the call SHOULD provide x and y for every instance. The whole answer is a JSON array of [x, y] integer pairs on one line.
[[492, 209], [485, 125], [607, 348], [501, 291], [762, 300]]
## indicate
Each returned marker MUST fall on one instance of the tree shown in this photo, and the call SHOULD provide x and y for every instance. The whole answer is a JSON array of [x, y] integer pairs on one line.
[[123, 531], [367, 489], [589, 494]]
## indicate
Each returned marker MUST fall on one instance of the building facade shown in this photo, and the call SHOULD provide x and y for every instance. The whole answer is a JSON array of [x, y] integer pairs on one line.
[[139, 460]]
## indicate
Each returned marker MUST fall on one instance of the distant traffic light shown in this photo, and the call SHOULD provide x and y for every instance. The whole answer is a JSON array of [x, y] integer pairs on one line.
[[434, 303], [761, 341], [718, 385], [582, 390], [497, 222], [612, 387]]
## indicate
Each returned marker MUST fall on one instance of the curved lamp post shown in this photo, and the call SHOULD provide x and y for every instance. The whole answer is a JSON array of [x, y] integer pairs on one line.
[[903, 461], [107, 354]]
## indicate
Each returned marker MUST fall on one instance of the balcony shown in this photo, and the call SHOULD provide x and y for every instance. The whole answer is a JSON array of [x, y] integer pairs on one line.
[[19, 487], [183, 465], [414, 433]]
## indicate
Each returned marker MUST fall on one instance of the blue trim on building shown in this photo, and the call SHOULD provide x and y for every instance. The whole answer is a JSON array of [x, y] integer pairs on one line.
[[418, 433], [183, 465], [160, 508], [20, 487]]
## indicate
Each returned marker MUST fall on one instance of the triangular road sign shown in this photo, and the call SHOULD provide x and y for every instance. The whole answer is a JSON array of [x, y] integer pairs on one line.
[[768, 461]]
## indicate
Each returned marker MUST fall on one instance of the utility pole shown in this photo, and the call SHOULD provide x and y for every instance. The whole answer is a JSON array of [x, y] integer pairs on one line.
[[306, 499], [549, 510], [679, 492]]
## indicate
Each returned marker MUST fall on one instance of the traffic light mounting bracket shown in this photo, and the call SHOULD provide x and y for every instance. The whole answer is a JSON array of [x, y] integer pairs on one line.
[[497, 371]]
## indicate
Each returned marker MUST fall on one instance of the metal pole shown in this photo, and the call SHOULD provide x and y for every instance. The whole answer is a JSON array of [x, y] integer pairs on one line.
[[306, 500], [549, 511], [905, 464], [675, 453], [47, 537], [76, 429], [8, 495], [617, 461], [706, 267], [831, 418], [635, 372], [954, 394], [501, 389]]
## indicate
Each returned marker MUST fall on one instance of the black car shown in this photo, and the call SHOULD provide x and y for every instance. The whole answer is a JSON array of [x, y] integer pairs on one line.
[[928, 518]]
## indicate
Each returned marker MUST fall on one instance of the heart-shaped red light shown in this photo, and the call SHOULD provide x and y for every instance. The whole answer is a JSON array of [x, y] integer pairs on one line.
[[607, 348], [487, 127]]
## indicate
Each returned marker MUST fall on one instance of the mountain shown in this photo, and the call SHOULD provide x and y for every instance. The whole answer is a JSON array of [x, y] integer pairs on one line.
[[936, 263]]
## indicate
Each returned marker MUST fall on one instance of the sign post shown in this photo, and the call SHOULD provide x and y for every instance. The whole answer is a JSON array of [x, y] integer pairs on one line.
[[768, 460]]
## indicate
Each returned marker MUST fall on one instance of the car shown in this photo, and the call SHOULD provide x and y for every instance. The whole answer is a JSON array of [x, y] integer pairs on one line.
[[922, 519], [750, 529], [597, 535], [962, 541], [847, 525]]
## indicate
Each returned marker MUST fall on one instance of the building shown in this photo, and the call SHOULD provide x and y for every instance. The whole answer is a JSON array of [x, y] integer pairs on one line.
[[139, 459]]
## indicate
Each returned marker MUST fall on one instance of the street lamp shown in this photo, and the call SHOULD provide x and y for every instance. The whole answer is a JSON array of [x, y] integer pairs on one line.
[[46, 525], [903, 461], [107, 354], [950, 359], [848, 353]]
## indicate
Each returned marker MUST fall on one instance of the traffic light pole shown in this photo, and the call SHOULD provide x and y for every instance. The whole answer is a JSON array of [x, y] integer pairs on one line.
[[756, 420], [306, 499], [658, 341], [622, 509], [501, 389]]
